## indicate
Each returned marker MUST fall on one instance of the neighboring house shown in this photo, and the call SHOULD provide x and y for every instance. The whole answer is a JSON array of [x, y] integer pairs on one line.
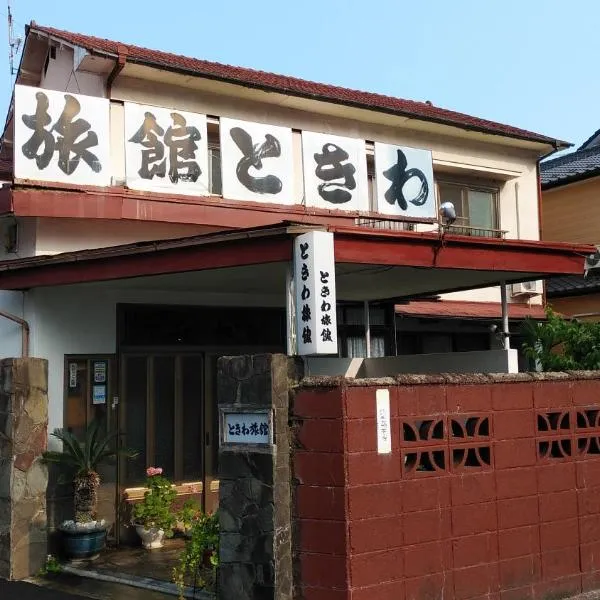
[[571, 212], [150, 223]]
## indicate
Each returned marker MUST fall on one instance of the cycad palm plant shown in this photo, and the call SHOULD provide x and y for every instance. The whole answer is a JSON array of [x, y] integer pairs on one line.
[[84, 457]]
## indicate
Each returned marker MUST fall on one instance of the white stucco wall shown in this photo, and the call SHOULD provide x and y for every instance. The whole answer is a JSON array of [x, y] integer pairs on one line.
[[26, 237], [61, 75], [67, 235], [10, 332], [81, 319]]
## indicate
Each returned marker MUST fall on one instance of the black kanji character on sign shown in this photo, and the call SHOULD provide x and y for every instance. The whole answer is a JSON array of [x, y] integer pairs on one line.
[[326, 335], [399, 176], [264, 429], [254, 428], [325, 306], [324, 276], [324, 291], [326, 320], [305, 294], [70, 145], [231, 429], [306, 316], [307, 335], [304, 251], [253, 158], [331, 170], [304, 272], [153, 161], [238, 429], [181, 140], [245, 430]]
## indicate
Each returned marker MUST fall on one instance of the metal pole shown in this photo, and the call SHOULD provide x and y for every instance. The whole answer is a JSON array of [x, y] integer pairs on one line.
[[367, 328], [505, 332], [290, 310]]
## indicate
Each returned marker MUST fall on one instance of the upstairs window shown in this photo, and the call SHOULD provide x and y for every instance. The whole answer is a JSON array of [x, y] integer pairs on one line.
[[476, 208]]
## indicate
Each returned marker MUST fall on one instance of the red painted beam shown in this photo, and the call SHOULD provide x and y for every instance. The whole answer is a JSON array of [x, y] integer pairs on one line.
[[458, 254], [178, 260]]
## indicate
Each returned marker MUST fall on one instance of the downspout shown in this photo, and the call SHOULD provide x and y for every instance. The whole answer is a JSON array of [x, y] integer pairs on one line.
[[25, 331], [119, 64]]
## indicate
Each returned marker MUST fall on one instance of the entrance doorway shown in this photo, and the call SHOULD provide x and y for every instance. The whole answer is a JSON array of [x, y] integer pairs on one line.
[[168, 390]]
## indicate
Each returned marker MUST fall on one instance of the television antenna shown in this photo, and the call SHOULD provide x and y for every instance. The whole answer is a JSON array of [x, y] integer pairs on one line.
[[14, 43]]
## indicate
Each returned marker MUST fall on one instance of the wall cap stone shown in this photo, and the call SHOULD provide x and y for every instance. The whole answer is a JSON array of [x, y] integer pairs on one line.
[[446, 379]]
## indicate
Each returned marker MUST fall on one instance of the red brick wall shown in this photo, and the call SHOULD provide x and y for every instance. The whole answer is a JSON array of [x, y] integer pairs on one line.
[[491, 490]]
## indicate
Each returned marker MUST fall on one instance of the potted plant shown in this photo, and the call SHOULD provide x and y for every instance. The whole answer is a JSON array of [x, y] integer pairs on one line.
[[153, 516], [85, 535], [199, 560]]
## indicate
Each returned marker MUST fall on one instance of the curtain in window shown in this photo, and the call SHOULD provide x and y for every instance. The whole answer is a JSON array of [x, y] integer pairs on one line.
[[480, 209], [356, 347]]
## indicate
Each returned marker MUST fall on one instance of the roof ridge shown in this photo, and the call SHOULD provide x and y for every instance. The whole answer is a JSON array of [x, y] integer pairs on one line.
[[295, 85], [569, 157]]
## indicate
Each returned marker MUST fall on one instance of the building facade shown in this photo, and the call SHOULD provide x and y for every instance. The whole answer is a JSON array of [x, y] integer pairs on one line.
[[112, 150]]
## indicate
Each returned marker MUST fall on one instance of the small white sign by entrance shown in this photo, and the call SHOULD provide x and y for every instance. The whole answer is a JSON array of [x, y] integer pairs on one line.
[[384, 429], [247, 428], [314, 279]]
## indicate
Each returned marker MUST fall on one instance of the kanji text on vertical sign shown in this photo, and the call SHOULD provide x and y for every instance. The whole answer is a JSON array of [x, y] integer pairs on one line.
[[314, 279]]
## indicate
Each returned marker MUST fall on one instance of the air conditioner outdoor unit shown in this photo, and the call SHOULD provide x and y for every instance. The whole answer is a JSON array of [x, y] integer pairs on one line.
[[527, 288]]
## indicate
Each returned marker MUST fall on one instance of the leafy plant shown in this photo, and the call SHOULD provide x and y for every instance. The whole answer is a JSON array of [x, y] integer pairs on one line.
[[201, 551], [155, 510], [52, 566], [562, 345], [187, 514], [84, 457]]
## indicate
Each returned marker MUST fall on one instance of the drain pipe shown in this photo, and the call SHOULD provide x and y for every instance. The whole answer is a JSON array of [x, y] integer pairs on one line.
[[25, 331], [505, 332]]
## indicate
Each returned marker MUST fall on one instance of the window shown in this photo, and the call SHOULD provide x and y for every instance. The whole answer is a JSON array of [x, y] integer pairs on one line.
[[351, 328], [476, 208]]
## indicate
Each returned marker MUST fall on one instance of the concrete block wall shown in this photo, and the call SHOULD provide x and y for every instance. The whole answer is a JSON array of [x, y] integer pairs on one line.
[[491, 489]]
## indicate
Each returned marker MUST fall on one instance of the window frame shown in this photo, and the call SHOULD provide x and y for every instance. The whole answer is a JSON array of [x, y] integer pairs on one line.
[[475, 186]]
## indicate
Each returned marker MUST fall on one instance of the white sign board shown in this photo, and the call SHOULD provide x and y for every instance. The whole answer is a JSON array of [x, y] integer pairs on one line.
[[246, 428], [256, 162], [384, 428], [404, 181], [99, 394], [315, 294], [335, 172], [166, 150], [61, 137]]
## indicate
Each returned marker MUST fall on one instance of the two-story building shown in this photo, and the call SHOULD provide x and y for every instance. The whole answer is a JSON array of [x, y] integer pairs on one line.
[[570, 190], [149, 218]]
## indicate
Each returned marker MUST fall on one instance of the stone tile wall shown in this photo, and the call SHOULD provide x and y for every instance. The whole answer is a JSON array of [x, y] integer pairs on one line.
[[23, 476]]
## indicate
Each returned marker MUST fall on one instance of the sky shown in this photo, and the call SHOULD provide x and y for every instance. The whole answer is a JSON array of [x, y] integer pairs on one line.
[[528, 63]]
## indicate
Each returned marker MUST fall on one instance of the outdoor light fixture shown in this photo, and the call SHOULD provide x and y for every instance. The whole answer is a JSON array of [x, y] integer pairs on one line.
[[448, 213]]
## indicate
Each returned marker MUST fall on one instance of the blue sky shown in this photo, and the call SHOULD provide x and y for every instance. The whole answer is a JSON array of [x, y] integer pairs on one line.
[[528, 63]]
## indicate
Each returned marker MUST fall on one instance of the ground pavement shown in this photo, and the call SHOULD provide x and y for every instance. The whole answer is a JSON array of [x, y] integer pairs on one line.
[[66, 587]]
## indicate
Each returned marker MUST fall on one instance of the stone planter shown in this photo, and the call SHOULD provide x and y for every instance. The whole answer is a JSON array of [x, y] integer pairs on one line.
[[83, 544], [151, 538]]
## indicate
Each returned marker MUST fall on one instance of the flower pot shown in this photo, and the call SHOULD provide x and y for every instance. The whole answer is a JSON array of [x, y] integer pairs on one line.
[[83, 544], [151, 538]]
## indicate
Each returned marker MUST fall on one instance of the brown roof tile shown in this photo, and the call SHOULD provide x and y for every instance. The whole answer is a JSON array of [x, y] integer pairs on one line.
[[468, 310], [292, 85]]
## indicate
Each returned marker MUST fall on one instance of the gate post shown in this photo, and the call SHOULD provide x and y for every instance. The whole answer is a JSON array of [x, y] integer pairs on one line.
[[23, 476], [254, 472]]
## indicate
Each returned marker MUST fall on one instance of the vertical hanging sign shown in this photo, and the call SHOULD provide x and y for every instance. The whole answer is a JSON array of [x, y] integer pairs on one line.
[[314, 278]]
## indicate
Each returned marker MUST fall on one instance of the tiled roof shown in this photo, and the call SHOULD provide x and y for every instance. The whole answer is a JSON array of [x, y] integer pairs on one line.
[[292, 85], [572, 166], [572, 285], [468, 310]]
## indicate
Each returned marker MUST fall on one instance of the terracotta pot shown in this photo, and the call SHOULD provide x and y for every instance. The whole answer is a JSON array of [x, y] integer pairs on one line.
[[151, 538]]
